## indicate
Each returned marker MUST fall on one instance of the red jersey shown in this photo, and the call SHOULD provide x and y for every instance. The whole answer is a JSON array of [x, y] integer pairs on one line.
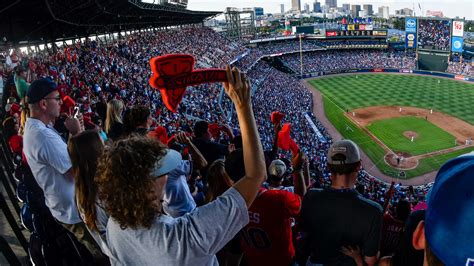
[[267, 239]]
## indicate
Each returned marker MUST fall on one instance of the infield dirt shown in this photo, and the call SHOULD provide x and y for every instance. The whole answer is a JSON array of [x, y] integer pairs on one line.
[[460, 129]]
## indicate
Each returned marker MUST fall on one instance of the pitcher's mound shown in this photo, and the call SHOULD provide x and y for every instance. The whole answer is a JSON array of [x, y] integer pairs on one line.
[[410, 134]]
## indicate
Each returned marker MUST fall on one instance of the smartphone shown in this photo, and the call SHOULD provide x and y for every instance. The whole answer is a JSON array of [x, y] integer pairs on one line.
[[76, 111]]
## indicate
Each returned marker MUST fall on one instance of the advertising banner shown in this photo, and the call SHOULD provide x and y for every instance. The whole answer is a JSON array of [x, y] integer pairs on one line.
[[331, 33], [362, 27], [369, 27], [458, 28], [457, 44], [410, 25], [379, 33], [410, 40], [351, 27]]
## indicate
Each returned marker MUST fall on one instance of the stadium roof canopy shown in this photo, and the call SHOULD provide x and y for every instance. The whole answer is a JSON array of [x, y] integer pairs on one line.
[[39, 21]]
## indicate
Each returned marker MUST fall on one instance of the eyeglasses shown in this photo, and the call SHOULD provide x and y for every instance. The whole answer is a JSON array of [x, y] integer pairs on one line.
[[54, 98]]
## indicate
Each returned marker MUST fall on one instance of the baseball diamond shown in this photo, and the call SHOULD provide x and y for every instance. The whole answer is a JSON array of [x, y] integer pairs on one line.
[[402, 122]]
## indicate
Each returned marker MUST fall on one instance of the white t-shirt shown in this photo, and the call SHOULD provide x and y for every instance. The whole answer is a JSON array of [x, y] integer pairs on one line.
[[178, 199], [47, 156], [192, 239]]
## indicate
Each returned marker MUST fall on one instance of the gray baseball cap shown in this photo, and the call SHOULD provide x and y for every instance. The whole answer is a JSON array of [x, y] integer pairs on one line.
[[277, 168], [343, 152]]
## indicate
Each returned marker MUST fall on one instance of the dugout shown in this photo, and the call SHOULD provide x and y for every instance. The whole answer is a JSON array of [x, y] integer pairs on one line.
[[432, 61]]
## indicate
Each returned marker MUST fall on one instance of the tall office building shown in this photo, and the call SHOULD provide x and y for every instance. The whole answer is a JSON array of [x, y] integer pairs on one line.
[[369, 11], [331, 3], [346, 7], [383, 12], [296, 5], [355, 10], [282, 8], [306, 8], [317, 7]]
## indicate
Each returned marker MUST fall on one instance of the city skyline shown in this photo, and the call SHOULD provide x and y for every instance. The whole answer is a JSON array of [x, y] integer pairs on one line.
[[461, 8]]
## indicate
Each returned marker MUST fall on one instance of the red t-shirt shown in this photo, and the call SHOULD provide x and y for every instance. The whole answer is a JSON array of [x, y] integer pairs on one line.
[[391, 232], [16, 143], [267, 239]]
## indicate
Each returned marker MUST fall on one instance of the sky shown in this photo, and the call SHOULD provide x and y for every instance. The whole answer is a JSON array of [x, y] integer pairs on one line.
[[450, 8]]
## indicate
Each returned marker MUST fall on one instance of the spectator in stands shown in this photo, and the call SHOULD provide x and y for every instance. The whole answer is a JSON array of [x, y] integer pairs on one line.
[[139, 121], [85, 149], [113, 121], [132, 177], [406, 254], [10, 133], [178, 200], [218, 183], [268, 238], [276, 173], [446, 234], [20, 81], [202, 139], [339, 216], [47, 155], [393, 227]]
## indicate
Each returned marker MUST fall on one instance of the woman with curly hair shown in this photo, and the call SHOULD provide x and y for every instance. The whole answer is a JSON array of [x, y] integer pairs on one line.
[[132, 177], [84, 150]]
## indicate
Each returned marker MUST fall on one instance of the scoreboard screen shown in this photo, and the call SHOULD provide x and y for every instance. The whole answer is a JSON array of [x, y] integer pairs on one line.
[[356, 33], [434, 34]]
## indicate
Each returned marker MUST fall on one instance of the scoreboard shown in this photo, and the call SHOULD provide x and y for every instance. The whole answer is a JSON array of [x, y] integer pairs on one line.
[[356, 31]]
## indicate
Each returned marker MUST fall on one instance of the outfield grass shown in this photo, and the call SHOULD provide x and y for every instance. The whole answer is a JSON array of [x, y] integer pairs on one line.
[[356, 91], [430, 137], [350, 92]]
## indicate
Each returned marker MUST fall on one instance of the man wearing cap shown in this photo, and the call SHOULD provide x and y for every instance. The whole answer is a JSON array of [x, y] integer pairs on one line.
[[447, 233], [268, 238], [338, 216], [47, 155]]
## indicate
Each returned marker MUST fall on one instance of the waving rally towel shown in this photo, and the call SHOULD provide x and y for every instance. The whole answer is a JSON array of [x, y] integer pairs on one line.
[[285, 142], [172, 73]]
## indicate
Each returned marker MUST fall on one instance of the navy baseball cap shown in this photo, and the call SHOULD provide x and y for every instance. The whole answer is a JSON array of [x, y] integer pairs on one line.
[[449, 223], [39, 89]]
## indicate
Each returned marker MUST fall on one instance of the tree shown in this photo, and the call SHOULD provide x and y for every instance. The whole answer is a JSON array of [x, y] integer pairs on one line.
[[469, 26], [399, 23]]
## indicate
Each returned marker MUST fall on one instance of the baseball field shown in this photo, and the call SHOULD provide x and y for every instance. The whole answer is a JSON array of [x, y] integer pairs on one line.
[[403, 123]]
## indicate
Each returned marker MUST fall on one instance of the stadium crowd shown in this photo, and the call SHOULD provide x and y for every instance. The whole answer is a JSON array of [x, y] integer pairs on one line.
[[434, 34], [122, 145], [464, 68], [341, 60]]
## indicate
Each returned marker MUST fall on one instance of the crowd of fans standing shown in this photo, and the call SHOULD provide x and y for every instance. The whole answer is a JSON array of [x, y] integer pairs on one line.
[[178, 153]]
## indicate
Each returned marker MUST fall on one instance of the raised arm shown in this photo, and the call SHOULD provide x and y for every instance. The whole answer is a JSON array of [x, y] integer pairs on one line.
[[198, 159], [298, 162], [238, 89]]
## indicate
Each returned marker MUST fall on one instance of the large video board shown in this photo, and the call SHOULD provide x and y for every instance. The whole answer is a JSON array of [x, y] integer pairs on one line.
[[434, 34]]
